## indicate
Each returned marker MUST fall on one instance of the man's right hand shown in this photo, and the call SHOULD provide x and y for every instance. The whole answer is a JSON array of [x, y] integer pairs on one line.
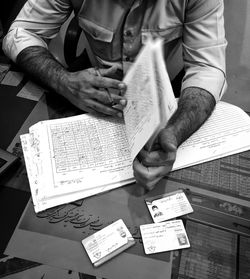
[[90, 92], [87, 89]]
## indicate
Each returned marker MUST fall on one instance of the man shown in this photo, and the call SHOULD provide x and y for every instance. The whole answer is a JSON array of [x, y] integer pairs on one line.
[[156, 211], [193, 32]]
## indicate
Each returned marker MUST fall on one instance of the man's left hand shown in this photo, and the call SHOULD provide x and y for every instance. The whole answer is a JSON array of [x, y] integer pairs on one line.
[[152, 165]]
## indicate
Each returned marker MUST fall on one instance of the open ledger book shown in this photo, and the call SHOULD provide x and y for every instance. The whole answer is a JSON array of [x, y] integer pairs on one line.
[[75, 157]]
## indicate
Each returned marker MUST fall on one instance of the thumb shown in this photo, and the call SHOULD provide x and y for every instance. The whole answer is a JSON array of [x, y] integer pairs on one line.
[[168, 140]]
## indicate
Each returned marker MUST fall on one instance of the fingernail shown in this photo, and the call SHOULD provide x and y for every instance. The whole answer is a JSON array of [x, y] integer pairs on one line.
[[122, 85], [123, 102]]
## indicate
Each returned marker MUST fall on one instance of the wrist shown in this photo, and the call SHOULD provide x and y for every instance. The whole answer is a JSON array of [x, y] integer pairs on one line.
[[62, 82], [194, 107], [169, 135], [43, 68]]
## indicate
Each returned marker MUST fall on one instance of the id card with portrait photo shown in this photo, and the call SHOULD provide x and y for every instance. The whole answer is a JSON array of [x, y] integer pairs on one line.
[[164, 236], [108, 242], [168, 206]]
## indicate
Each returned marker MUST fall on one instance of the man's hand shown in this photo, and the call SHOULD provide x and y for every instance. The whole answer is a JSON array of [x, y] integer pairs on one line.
[[85, 89], [90, 91], [151, 166], [194, 107]]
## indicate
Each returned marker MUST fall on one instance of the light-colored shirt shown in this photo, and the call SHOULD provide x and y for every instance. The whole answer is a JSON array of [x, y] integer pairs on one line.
[[192, 30]]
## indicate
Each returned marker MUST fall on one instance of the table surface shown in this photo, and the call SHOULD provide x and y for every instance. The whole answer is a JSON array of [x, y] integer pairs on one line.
[[218, 230]]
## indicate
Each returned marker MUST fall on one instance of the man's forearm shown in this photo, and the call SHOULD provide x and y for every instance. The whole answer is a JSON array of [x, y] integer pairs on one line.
[[41, 66], [194, 107]]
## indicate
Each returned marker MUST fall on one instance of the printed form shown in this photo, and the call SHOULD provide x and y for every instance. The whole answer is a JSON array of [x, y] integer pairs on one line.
[[75, 157], [225, 133], [72, 158], [150, 98], [141, 113]]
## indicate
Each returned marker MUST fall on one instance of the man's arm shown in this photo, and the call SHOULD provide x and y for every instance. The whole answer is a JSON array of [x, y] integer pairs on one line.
[[194, 107], [84, 89], [204, 46], [36, 24], [26, 44], [203, 85], [41, 66]]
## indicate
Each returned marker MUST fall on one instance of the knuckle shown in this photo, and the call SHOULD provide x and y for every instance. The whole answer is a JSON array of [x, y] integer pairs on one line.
[[172, 158], [147, 177], [75, 93], [149, 185]]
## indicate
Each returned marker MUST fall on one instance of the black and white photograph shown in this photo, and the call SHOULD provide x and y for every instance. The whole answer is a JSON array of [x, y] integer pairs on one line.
[[125, 139]]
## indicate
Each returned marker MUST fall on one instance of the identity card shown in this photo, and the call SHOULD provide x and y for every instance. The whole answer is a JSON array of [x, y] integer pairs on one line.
[[164, 236], [108, 242], [168, 206]]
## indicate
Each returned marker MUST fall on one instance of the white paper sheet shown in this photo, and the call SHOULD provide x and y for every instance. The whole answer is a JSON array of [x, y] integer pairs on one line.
[[150, 98], [12, 78], [75, 157], [31, 91], [226, 132], [67, 161]]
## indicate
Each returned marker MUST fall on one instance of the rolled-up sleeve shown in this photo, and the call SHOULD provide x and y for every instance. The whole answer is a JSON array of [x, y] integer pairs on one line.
[[204, 46], [38, 22]]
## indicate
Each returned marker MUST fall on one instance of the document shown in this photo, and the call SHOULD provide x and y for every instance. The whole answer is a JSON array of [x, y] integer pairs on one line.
[[165, 236], [4, 68], [213, 253], [12, 78], [225, 133], [75, 157], [168, 206], [150, 97], [108, 242], [31, 91]]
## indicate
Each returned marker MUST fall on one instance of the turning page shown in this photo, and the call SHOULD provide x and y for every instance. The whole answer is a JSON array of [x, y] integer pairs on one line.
[[167, 103], [150, 98]]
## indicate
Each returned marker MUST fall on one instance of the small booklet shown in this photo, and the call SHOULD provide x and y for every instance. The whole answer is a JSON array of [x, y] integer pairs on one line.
[[168, 206], [108, 242], [165, 236]]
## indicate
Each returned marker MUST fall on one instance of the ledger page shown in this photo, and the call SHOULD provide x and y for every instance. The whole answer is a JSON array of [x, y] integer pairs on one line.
[[167, 102], [142, 112], [78, 156], [88, 151], [226, 132]]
